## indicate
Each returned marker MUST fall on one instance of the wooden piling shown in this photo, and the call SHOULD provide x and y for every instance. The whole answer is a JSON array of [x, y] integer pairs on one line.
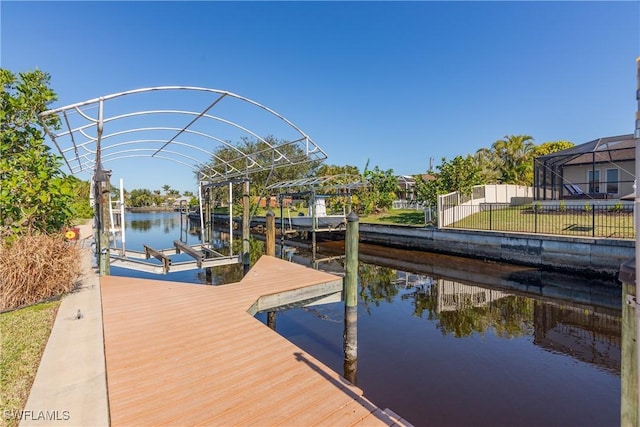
[[629, 365], [101, 191], [270, 237], [351, 299], [246, 235]]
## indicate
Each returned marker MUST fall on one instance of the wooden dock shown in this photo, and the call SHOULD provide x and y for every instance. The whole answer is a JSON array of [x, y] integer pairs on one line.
[[184, 354]]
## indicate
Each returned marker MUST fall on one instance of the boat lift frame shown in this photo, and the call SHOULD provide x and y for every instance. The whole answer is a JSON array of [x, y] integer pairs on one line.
[[342, 185], [89, 138]]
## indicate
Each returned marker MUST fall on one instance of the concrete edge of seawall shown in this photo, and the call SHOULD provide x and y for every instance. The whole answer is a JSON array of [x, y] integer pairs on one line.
[[583, 255]]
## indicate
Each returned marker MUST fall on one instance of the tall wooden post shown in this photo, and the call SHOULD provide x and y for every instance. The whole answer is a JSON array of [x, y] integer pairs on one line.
[[282, 227], [629, 372], [351, 299], [270, 237], [102, 188], [629, 365], [630, 397], [246, 247], [314, 225], [206, 224]]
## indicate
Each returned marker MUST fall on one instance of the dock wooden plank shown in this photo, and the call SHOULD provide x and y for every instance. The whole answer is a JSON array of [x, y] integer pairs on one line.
[[183, 354]]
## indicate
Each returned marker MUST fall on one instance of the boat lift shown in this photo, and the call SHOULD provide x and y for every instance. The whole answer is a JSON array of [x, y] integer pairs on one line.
[[315, 190], [204, 256]]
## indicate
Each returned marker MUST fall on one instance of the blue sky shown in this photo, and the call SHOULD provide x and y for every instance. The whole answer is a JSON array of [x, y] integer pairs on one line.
[[395, 83]]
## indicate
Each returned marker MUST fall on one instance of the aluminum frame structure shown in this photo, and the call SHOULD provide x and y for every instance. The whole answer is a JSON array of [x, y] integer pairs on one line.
[[89, 136], [341, 183]]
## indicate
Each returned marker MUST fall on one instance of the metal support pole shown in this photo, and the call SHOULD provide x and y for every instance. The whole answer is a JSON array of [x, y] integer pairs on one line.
[[270, 238], [201, 211], [122, 221], [351, 299], [230, 219], [246, 210]]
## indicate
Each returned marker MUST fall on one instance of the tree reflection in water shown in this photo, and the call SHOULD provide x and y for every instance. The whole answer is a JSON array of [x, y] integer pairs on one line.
[[460, 309]]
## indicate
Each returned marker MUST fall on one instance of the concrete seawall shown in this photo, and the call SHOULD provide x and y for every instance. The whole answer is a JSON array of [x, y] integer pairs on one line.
[[562, 253]]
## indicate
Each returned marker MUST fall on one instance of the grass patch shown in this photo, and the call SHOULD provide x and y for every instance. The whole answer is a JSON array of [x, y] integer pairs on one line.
[[574, 222], [24, 334], [396, 216]]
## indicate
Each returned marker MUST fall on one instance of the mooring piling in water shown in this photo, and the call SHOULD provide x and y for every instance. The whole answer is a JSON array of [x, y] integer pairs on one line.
[[246, 232], [270, 240], [270, 237], [351, 298]]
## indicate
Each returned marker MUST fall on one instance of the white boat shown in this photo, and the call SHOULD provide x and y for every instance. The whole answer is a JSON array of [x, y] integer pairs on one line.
[[327, 221], [323, 221]]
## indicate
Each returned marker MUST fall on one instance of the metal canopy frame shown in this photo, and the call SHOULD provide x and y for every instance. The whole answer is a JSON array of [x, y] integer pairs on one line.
[[344, 184], [129, 124], [549, 176]]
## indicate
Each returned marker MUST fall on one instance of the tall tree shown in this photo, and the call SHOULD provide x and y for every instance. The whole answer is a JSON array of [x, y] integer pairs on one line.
[[459, 174], [551, 147], [381, 191], [516, 159], [260, 153], [35, 194], [487, 163]]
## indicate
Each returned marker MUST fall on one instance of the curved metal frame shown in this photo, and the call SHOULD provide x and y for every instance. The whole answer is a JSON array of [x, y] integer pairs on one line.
[[86, 145]]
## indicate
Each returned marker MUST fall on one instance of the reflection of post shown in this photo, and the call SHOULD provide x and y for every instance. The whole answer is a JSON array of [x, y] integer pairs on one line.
[[271, 319], [351, 299], [271, 233], [246, 260]]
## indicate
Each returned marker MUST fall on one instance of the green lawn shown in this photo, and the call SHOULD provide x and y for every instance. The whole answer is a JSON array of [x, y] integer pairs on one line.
[[396, 216], [24, 334], [576, 222]]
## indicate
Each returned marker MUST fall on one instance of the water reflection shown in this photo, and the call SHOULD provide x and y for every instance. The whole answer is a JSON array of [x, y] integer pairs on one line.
[[155, 222], [461, 310]]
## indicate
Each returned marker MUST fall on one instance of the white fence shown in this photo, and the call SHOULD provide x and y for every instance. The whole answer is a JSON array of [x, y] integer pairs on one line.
[[453, 207]]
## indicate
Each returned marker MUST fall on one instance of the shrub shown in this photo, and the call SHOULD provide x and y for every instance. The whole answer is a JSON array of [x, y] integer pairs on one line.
[[34, 267], [563, 206], [587, 207], [618, 207]]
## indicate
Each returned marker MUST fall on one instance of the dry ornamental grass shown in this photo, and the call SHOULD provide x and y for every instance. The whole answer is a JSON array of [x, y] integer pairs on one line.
[[36, 267]]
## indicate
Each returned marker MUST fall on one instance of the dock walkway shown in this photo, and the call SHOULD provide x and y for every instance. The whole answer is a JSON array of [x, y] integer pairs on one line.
[[182, 354]]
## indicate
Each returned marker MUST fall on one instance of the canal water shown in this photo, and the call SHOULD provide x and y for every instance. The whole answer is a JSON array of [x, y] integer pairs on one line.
[[448, 341]]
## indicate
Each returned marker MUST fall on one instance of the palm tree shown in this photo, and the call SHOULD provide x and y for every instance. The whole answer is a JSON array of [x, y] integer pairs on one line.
[[487, 163], [515, 159]]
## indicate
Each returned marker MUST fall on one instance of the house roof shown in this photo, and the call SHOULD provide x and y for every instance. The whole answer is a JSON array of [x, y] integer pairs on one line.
[[613, 148]]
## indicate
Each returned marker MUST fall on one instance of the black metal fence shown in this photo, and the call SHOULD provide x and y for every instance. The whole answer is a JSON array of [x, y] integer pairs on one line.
[[611, 220]]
